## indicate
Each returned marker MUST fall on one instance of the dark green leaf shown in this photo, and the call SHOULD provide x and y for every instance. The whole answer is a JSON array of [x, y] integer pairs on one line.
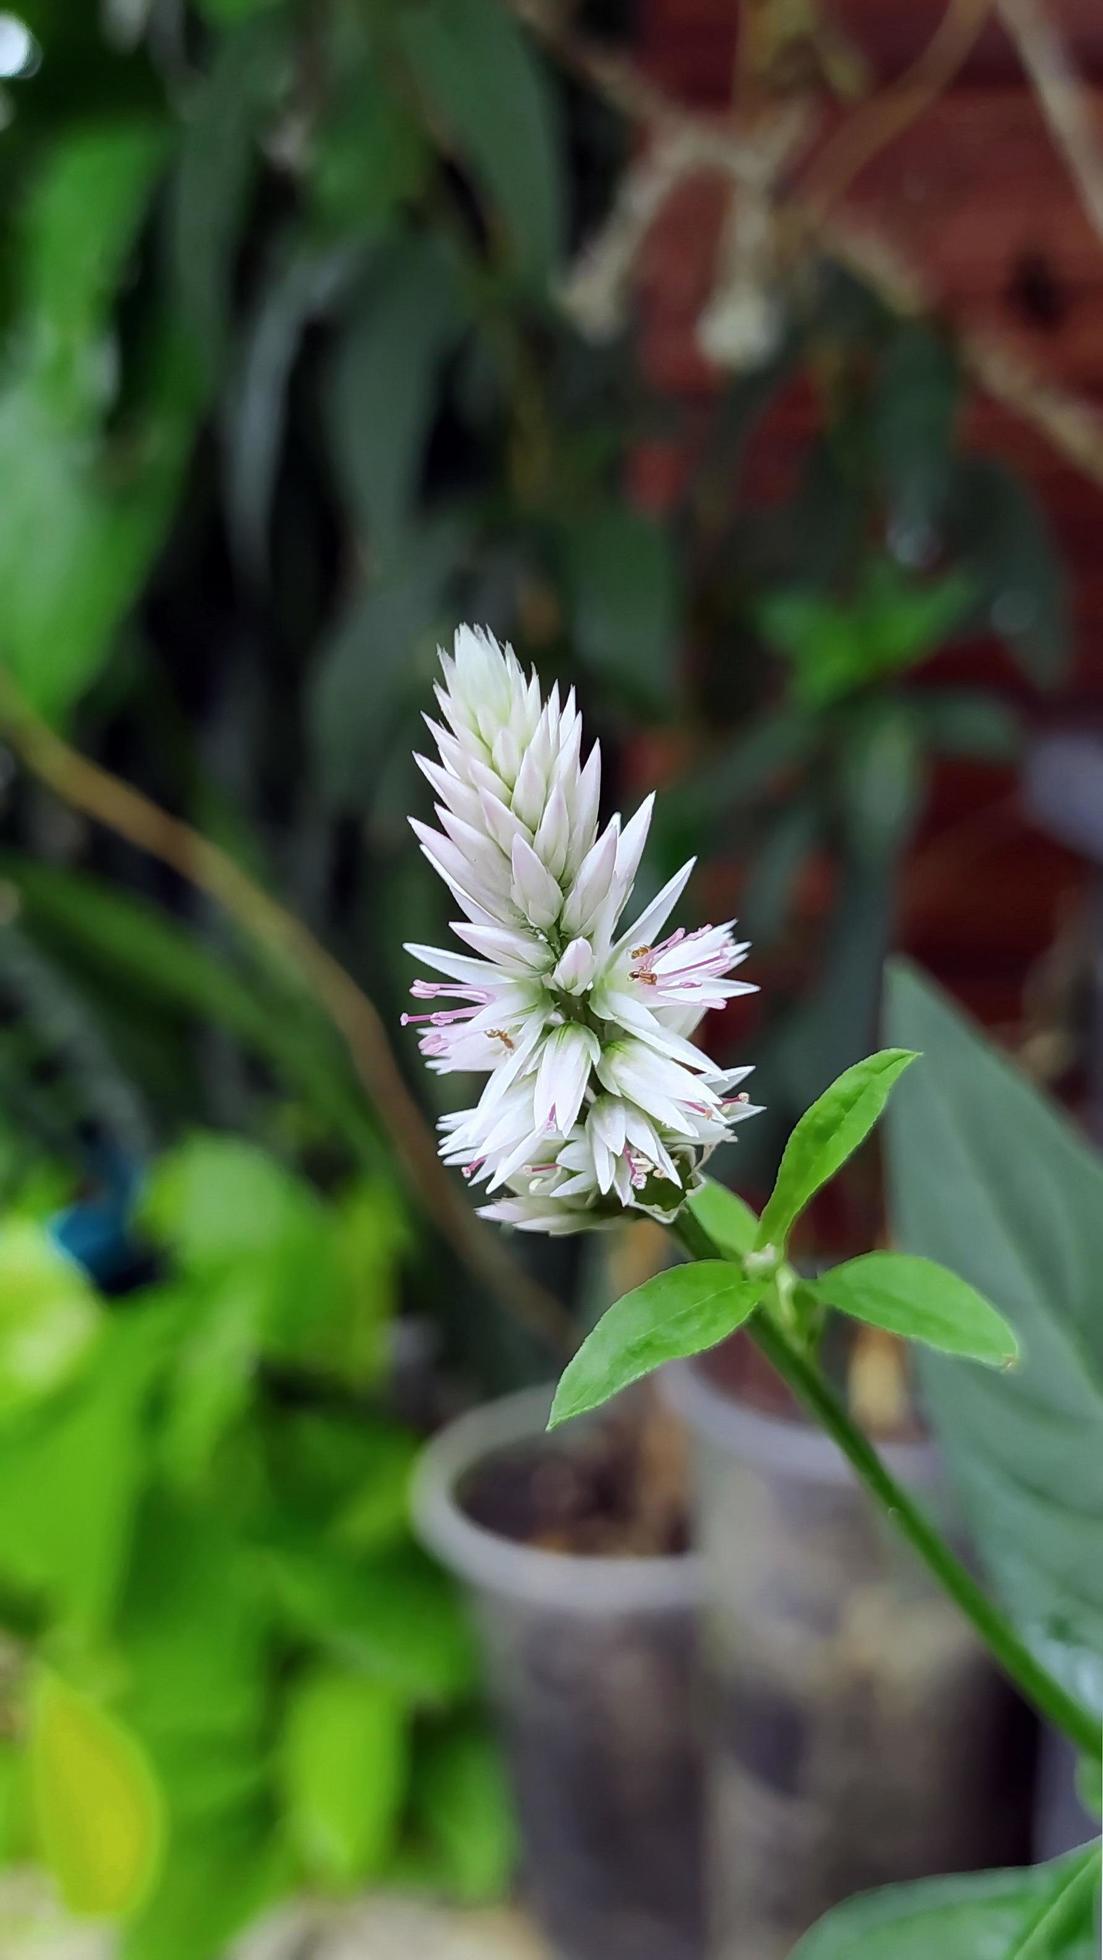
[[483, 80], [988, 1177], [881, 781], [912, 416], [832, 1025], [826, 1135], [256, 412], [464, 1805], [921, 1301], [772, 878], [371, 151], [380, 652], [215, 178], [384, 384], [1045, 1913], [678, 1313], [967, 722], [1006, 544], [343, 1772], [626, 606]]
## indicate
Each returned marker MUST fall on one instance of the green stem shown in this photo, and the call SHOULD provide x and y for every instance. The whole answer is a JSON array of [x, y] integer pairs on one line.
[[808, 1385]]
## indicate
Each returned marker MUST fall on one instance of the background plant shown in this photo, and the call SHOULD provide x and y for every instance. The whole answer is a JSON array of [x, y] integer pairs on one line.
[[288, 389], [228, 1671]]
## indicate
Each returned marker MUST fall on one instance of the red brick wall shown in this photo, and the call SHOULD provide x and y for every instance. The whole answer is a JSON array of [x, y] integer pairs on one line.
[[974, 193]]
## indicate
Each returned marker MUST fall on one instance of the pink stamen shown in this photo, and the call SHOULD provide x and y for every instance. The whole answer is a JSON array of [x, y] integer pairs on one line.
[[441, 1018]]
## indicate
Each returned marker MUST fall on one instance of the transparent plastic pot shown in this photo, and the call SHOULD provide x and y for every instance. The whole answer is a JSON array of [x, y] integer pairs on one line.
[[591, 1664], [858, 1734]]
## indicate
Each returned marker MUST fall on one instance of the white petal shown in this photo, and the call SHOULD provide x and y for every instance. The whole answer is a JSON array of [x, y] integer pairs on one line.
[[591, 887], [647, 927], [534, 890], [566, 1059], [576, 968], [554, 834], [506, 945]]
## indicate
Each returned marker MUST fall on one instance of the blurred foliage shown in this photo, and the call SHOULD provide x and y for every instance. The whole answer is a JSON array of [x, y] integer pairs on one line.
[[986, 1172], [228, 1670], [287, 390]]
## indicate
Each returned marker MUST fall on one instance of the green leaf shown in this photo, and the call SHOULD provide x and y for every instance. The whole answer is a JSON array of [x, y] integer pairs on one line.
[[988, 1177], [80, 222], [967, 722], [464, 1805], [395, 1616], [626, 605], [729, 1222], [484, 83], [880, 781], [193, 1626], [81, 521], [13, 1804], [1043, 1913], [216, 1200], [298, 292], [1003, 535], [223, 1872], [343, 1769], [70, 1479], [826, 1135], [891, 621], [384, 384], [379, 654], [124, 938], [49, 1317], [678, 1313], [912, 413], [921, 1301], [371, 151], [97, 1810], [214, 181]]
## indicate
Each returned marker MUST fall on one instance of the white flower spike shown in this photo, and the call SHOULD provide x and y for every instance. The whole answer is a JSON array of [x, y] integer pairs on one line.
[[596, 1102]]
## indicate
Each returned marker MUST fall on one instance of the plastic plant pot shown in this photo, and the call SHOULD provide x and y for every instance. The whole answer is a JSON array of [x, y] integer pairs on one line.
[[591, 1664], [858, 1735]]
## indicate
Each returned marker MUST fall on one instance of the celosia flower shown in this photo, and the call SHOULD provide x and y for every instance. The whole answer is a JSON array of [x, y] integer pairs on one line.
[[596, 1100]]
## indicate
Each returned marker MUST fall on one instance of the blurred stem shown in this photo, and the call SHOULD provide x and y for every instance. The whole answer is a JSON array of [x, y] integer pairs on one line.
[[808, 1385], [98, 794]]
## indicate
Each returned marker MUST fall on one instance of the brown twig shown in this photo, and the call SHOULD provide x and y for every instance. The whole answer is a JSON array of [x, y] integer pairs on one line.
[[888, 113], [1062, 99], [119, 807], [1070, 425]]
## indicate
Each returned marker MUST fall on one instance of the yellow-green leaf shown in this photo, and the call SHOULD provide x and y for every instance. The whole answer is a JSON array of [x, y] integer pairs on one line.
[[677, 1313], [730, 1223], [49, 1315], [97, 1810], [922, 1301], [826, 1135]]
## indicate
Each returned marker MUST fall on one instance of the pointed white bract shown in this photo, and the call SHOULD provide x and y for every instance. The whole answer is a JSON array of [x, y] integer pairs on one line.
[[596, 1101]]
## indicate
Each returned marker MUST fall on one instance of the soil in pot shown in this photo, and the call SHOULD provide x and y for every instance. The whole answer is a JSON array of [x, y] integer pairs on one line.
[[588, 1619]]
